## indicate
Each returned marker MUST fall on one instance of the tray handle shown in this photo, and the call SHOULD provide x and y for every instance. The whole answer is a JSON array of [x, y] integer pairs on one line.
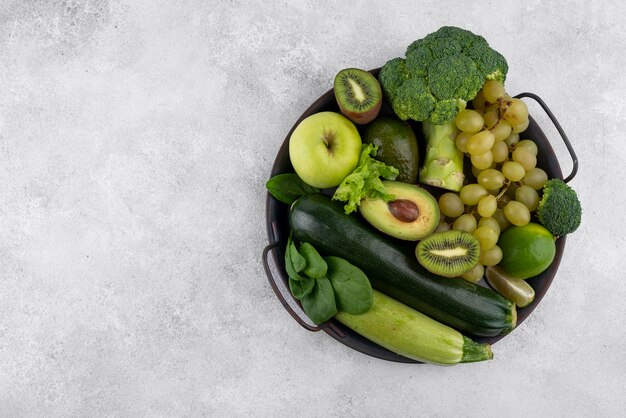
[[270, 277], [558, 127]]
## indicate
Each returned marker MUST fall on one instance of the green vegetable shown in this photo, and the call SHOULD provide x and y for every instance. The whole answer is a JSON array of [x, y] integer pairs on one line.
[[353, 292], [559, 208], [322, 284], [365, 181], [439, 74], [319, 305], [297, 261], [301, 287], [412, 334], [443, 162], [288, 187], [316, 267], [392, 268]]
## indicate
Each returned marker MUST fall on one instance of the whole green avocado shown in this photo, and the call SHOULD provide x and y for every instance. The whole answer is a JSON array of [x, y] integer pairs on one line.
[[397, 146]]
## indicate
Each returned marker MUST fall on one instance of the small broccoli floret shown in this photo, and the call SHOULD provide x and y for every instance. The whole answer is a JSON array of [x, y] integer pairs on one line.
[[413, 100], [392, 75], [454, 62], [559, 209]]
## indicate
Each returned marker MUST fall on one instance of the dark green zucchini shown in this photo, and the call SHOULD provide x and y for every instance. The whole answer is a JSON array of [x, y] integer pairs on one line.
[[393, 269]]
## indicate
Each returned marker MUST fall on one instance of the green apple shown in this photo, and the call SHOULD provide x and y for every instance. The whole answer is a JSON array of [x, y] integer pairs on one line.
[[324, 148]]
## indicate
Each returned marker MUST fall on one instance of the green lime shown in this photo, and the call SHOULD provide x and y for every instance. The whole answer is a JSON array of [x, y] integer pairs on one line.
[[526, 250], [397, 146]]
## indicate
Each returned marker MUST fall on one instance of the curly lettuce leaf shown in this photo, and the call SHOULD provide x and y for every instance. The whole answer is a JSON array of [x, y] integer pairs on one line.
[[365, 180]]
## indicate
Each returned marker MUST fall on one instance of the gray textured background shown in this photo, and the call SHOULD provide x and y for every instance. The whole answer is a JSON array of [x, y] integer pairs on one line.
[[135, 140]]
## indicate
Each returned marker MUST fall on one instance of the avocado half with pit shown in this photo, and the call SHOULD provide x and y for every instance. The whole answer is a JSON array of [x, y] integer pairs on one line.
[[411, 216]]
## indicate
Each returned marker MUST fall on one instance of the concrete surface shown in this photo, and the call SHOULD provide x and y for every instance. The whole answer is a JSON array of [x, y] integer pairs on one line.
[[135, 140]]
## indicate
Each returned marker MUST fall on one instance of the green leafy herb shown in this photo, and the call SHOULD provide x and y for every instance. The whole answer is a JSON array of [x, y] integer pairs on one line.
[[320, 305], [315, 265], [297, 261], [288, 187], [353, 291], [325, 284], [302, 287], [365, 180], [289, 267]]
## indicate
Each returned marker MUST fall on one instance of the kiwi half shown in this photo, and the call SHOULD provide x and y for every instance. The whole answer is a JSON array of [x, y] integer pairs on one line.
[[448, 253], [358, 95]]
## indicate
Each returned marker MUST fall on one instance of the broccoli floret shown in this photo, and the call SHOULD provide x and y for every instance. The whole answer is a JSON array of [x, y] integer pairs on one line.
[[393, 74], [413, 100], [559, 208], [453, 63]]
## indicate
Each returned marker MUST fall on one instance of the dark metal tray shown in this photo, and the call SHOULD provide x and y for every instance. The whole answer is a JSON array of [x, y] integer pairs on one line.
[[278, 230]]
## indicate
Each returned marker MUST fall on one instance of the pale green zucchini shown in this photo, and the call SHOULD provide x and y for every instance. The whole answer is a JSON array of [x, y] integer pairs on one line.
[[407, 332]]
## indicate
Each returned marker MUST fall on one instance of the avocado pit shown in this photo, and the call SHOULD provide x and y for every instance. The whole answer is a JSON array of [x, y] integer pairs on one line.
[[404, 210]]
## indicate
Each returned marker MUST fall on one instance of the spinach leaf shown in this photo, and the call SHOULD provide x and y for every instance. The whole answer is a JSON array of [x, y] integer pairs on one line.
[[353, 290], [319, 305], [289, 267], [291, 272], [297, 261], [302, 287], [288, 187], [315, 265]]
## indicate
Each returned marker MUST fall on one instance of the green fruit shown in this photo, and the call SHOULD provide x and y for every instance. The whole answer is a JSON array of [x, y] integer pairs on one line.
[[449, 253], [358, 95], [526, 250], [413, 215], [397, 146], [324, 148]]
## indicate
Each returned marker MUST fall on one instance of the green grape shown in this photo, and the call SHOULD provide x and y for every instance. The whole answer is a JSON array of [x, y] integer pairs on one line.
[[500, 151], [517, 213], [504, 199], [472, 193], [482, 161], [486, 236], [521, 127], [468, 120], [490, 179], [535, 178], [475, 274], [501, 219], [451, 205], [491, 257], [490, 222], [510, 192], [465, 222], [461, 141], [476, 171], [493, 90], [501, 131], [528, 196], [480, 143], [525, 157], [513, 171], [443, 226], [487, 206], [491, 117], [478, 103], [512, 139], [528, 145], [516, 113]]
